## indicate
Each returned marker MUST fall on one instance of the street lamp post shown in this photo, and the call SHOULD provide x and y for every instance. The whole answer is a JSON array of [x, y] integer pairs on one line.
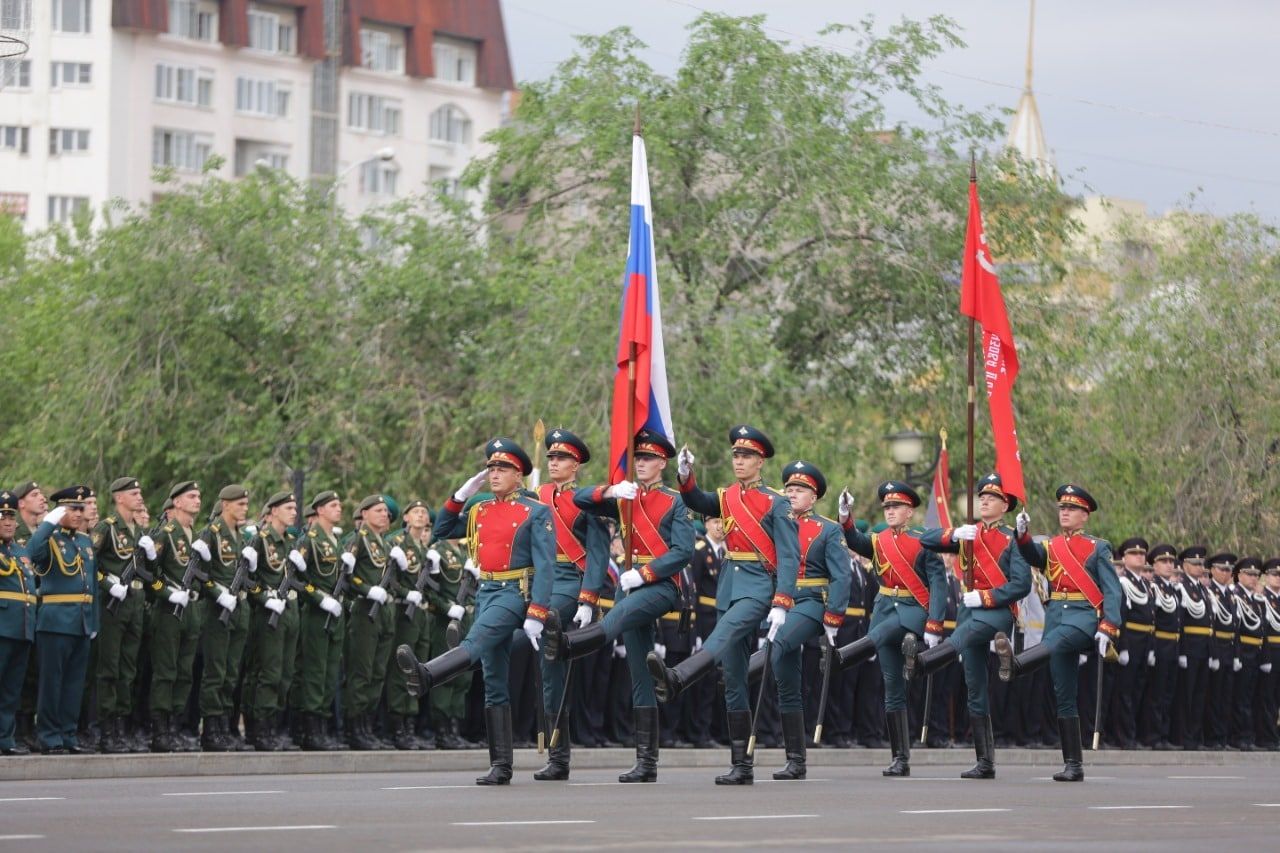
[[907, 448], [291, 455]]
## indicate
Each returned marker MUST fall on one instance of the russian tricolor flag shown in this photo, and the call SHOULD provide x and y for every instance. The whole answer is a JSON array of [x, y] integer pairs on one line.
[[641, 325]]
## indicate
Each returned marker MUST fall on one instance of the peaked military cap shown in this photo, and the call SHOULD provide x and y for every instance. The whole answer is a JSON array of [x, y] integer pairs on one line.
[[370, 502], [279, 498], [1163, 551], [1223, 560], [1133, 543], [183, 487], [650, 443], [25, 489], [1250, 565], [71, 496], [233, 492], [896, 492], [504, 451], [992, 485], [746, 437], [1194, 554], [124, 484], [800, 473], [1071, 495], [323, 498], [561, 442], [8, 502], [1272, 566]]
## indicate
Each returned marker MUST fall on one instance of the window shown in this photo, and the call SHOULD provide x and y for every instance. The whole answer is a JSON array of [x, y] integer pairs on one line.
[[14, 204], [15, 74], [378, 177], [180, 84], [71, 16], [70, 74], [15, 138], [193, 20], [455, 60], [382, 51], [250, 154], [373, 113], [63, 207], [450, 124], [443, 181], [68, 140], [262, 97], [15, 15], [270, 31], [180, 149]]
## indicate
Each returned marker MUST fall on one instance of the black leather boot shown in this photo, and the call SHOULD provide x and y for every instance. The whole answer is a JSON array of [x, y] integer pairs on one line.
[[161, 740], [232, 731], [259, 733], [900, 743], [939, 657], [668, 682], [646, 767], [497, 720], [793, 742], [741, 773], [1012, 666], [557, 769], [1072, 753], [984, 745], [401, 732], [421, 677], [357, 737], [113, 737], [861, 649], [212, 738], [569, 645]]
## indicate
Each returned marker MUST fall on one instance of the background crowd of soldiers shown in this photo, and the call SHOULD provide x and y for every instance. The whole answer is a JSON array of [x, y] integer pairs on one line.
[[213, 630]]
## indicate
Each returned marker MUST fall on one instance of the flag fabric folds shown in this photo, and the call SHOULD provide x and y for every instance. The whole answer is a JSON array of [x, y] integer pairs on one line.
[[938, 513]]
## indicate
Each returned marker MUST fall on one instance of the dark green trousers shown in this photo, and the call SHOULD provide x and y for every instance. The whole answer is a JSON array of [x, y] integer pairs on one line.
[[416, 634], [64, 659], [321, 653], [223, 650], [173, 654], [269, 666], [368, 653], [448, 700], [118, 642]]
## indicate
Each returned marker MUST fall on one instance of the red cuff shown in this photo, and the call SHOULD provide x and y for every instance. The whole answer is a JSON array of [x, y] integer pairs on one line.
[[588, 597], [988, 600], [781, 599], [933, 626], [688, 484], [946, 535], [597, 494], [647, 574], [1107, 628], [848, 523], [832, 620], [452, 505], [1024, 539], [536, 611]]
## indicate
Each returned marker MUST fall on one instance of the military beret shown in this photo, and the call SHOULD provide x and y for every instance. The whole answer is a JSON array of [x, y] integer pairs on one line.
[[1194, 554], [124, 484], [862, 525], [323, 498], [183, 487], [561, 442], [414, 504], [1272, 566], [393, 507], [279, 498], [216, 509], [25, 489], [650, 443], [309, 512], [370, 502], [1224, 560], [1250, 565], [897, 492], [504, 451], [167, 505], [801, 473], [233, 492], [71, 496], [1071, 495], [879, 527], [8, 502], [747, 437], [1133, 543], [992, 485], [1163, 551]]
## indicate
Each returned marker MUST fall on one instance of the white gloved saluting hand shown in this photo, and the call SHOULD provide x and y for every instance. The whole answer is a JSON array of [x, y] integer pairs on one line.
[[469, 488], [684, 462]]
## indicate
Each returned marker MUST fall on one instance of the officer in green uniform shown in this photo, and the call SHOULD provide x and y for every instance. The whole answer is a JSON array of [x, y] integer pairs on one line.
[[67, 619], [321, 627], [17, 622], [412, 620], [32, 506], [272, 648], [222, 643], [448, 700], [115, 538], [369, 619]]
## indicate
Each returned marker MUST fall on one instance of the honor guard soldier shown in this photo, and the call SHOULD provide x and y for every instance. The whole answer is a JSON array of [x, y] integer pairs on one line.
[[1157, 704], [661, 545], [1251, 634], [1001, 578], [582, 560], [911, 602], [1222, 650], [757, 581], [32, 506], [66, 574], [412, 619], [322, 621], [1136, 645], [116, 538], [370, 625], [512, 542], [1083, 610], [1265, 719], [1196, 617], [17, 622]]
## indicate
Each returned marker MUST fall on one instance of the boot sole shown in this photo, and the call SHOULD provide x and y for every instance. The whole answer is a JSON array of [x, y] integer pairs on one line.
[[910, 646], [1004, 652], [662, 688], [408, 665]]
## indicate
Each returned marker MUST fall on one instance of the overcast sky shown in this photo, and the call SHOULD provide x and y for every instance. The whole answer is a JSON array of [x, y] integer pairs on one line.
[[1144, 100]]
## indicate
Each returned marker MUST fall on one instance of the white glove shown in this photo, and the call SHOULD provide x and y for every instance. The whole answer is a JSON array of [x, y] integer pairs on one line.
[[180, 597], [972, 599], [433, 557], [251, 555], [660, 650], [118, 591], [93, 635], [397, 554], [846, 506], [965, 533], [624, 491], [54, 516], [760, 643], [299, 562], [1104, 643], [776, 618], [830, 631], [413, 597], [1266, 668], [684, 462], [337, 531], [227, 602], [1236, 665], [697, 644], [148, 547], [1023, 521], [1083, 659], [533, 630], [275, 605], [1124, 658], [1213, 664], [330, 605], [472, 486], [456, 611], [471, 567], [348, 560], [202, 549], [931, 640], [377, 593], [630, 580], [1182, 661], [620, 651], [584, 615], [1151, 658]]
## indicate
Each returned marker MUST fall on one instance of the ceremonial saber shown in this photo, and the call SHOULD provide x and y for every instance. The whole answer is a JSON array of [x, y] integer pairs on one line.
[[928, 701], [564, 696], [764, 685], [828, 655], [1097, 707]]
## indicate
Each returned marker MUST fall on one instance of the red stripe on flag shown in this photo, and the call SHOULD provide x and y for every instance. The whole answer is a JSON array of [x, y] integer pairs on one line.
[[637, 328], [942, 489]]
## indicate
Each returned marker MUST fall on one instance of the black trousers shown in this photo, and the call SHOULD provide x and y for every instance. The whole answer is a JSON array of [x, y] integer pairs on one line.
[[1156, 710]]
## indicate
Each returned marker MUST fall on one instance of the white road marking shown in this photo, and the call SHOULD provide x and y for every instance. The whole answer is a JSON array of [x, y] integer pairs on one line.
[[1206, 777], [1050, 778], [257, 828], [1132, 808], [519, 822], [20, 837], [28, 799], [425, 787], [779, 781], [953, 811], [756, 817], [1268, 805], [602, 784], [217, 793]]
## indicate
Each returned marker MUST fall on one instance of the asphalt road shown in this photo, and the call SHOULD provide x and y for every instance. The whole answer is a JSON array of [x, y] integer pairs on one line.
[[1123, 808]]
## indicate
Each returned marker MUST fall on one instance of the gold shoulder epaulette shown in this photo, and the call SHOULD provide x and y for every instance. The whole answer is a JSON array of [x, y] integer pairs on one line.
[[169, 528]]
